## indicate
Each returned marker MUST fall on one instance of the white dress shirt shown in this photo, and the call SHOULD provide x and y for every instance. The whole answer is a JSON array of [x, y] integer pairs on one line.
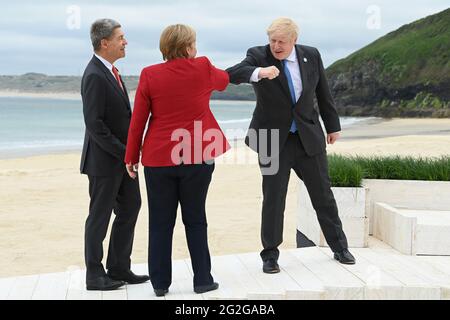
[[294, 69], [107, 64]]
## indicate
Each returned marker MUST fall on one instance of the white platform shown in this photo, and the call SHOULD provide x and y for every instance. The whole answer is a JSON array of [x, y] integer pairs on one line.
[[413, 232], [308, 273]]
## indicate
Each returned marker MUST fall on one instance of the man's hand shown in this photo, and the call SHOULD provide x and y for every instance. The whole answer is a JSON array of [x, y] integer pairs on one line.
[[132, 170], [269, 73], [332, 137]]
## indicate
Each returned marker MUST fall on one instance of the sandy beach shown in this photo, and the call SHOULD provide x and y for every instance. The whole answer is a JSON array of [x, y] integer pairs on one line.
[[44, 199]]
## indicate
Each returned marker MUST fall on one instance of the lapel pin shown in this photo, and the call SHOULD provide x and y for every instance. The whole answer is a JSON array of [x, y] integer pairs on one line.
[[305, 60]]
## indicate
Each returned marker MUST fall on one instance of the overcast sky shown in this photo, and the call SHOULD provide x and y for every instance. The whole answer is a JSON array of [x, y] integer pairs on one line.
[[52, 37]]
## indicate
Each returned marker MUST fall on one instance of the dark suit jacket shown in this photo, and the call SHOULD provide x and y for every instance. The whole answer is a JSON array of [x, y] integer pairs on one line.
[[107, 114], [273, 100]]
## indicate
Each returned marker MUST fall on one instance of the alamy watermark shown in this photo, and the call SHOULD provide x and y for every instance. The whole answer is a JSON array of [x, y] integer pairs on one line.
[[374, 19], [73, 20], [206, 145]]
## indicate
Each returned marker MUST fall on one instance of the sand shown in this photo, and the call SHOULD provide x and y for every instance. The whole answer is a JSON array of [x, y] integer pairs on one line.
[[44, 199]]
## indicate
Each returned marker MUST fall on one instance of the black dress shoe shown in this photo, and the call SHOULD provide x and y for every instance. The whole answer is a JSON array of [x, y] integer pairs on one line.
[[271, 266], [161, 292], [127, 276], [344, 257], [206, 288], [103, 283]]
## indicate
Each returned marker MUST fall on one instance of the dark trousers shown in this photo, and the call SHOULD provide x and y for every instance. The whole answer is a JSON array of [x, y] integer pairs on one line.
[[314, 173], [166, 187], [120, 194]]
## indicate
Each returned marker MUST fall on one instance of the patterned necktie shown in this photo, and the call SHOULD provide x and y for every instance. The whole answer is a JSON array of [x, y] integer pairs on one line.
[[291, 90], [116, 74]]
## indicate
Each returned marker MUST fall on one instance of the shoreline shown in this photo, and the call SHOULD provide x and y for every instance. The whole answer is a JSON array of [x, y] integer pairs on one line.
[[39, 153], [370, 129], [245, 152], [77, 96], [42, 95], [235, 128], [48, 95]]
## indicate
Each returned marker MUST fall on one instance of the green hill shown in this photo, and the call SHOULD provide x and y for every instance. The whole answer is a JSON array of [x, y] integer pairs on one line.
[[405, 73]]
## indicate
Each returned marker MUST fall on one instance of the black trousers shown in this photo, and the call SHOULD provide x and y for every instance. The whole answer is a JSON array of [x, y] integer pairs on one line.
[[166, 187], [118, 193], [314, 173]]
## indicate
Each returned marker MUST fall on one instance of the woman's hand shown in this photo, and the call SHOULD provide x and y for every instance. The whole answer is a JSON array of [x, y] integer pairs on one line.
[[132, 169]]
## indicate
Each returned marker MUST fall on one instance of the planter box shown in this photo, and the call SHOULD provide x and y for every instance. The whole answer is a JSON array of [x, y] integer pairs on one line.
[[351, 203], [421, 195]]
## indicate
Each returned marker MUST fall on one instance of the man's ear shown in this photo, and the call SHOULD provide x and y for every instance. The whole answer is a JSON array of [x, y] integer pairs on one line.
[[104, 43]]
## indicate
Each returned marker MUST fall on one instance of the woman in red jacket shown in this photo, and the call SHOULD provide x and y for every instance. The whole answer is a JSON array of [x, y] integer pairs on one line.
[[180, 144]]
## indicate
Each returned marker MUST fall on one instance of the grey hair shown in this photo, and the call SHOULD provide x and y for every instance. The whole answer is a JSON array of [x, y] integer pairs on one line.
[[102, 29]]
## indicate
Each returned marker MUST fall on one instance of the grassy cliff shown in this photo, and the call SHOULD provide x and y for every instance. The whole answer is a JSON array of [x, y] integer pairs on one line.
[[406, 72]]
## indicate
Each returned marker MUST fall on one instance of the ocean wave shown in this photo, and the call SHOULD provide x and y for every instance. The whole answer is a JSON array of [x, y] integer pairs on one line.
[[40, 144], [350, 121]]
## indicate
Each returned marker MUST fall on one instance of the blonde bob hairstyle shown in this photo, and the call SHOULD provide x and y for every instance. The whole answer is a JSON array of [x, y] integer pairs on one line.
[[174, 41], [285, 26]]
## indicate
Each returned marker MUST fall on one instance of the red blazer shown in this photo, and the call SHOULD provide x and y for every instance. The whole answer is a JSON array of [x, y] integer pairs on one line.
[[181, 127]]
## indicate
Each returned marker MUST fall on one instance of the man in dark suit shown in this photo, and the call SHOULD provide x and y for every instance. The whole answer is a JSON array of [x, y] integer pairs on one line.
[[286, 132], [107, 114]]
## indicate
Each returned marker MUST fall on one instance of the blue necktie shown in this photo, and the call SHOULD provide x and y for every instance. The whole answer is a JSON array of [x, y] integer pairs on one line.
[[291, 89]]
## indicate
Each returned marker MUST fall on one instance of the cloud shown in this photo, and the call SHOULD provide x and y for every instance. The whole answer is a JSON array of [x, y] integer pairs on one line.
[[36, 36]]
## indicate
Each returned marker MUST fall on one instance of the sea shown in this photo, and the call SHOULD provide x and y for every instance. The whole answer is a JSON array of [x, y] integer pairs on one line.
[[34, 126]]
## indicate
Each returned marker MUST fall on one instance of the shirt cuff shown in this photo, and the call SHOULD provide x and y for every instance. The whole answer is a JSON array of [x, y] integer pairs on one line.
[[254, 77]]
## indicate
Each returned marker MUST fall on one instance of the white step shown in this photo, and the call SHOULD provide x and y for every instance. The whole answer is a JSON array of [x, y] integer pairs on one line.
[[416, 285], [337, 281], [379, 285], [181, 288], [234, 278], [423, 195], [413, 232], [432, 236], [23, 288], [52, 286], [307, 273]]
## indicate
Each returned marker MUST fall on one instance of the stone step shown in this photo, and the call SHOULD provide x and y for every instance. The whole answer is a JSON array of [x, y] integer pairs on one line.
[[412, 231], [306, 274]]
